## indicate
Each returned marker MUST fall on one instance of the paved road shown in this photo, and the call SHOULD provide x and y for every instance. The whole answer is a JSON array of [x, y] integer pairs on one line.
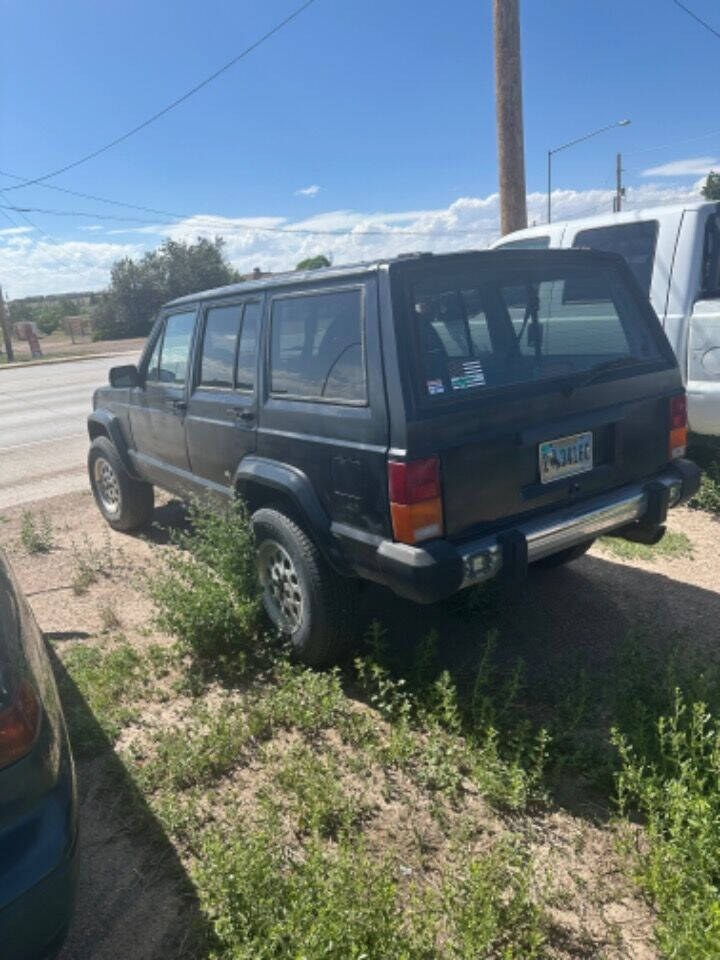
[[43, 438]]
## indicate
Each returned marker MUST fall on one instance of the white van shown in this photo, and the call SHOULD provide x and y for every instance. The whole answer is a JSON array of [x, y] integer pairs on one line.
[[674, 252]]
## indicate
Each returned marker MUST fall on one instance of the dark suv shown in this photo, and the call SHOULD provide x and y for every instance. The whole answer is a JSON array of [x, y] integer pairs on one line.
[[426, 423]]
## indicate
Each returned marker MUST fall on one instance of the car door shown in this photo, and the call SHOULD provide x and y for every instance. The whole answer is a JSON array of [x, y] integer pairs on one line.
[[158, 406], [222, 410]]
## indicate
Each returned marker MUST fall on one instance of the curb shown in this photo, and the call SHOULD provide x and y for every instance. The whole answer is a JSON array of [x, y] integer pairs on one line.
[[52, 360]]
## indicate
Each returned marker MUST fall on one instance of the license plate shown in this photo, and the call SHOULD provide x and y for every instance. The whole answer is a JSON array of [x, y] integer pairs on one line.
[[565, 457]]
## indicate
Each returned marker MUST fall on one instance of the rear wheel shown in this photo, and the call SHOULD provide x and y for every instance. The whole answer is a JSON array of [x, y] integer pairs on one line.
[[126, 503], [564, 556], [305, 599]]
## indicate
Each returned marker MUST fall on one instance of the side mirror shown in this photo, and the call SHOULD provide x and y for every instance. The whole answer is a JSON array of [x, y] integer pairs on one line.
[[126, 376]]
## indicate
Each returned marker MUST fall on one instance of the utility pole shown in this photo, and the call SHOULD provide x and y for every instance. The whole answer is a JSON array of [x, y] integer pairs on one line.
[[508, 105], [5, 324], [619, 188]]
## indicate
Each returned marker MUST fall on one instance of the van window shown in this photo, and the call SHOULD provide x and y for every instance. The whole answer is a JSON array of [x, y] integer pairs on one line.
[[710, 280], [219, 344], [176, 347], [634, 241], [501, 327], [527, 243], [316, 349], [247, 352]]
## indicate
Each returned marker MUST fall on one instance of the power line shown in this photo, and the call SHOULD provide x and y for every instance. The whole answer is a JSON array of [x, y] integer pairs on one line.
[[171, 106], [702, 22], [30, 223], [246, 227]]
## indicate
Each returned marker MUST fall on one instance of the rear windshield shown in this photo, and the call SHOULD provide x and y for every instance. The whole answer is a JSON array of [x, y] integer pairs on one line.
[[489, 328]]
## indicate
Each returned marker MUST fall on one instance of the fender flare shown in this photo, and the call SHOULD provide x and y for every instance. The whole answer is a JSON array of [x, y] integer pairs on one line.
[[101, 423], [292, 483]]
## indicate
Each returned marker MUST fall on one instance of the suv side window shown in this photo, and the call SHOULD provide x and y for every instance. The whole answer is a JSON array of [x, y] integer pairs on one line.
[[222, 325], [247, 350], [176, 347], [153, 364], [316, 347]]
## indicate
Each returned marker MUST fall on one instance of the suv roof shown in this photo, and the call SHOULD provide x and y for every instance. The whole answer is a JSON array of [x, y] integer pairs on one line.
[[291, 277], [295, 277]]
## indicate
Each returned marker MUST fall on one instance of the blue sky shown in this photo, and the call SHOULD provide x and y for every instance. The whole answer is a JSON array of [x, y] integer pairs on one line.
[[386, 107]]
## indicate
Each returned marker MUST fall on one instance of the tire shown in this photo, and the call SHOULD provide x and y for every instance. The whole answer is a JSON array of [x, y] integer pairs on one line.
[[304, 598], [126, 503], [564, 556]]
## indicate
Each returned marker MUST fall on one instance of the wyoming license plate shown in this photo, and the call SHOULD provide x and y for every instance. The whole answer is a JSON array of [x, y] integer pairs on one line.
[[565, 457]]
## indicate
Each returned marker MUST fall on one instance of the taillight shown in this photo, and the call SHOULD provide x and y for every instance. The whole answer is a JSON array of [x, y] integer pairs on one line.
[[678, 426], [19, 725], [415, 500]]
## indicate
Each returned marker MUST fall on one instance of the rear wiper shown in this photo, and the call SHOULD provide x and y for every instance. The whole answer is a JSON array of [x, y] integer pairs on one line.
[[598, 370]]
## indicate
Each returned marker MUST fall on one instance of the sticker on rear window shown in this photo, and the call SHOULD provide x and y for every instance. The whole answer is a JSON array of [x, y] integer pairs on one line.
[[465, 374], [435, 386]]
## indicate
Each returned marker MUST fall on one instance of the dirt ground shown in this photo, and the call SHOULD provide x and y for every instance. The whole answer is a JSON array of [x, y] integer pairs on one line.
[[130, 903], [59, 345]]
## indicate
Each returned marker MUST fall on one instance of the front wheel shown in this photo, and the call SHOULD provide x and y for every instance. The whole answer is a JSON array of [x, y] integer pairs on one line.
[[305, 599], [126, 503]]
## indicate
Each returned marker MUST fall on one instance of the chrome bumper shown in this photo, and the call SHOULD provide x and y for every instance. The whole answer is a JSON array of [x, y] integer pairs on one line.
[[485, 558]]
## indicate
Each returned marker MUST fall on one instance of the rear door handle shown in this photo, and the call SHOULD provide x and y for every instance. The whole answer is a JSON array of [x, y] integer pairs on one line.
[[179, 405], [247, 416]]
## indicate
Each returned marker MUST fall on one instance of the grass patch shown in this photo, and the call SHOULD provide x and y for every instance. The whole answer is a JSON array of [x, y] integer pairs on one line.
[[342, 903], [108, 682], [673, 545], [678, 864], [36, 534]]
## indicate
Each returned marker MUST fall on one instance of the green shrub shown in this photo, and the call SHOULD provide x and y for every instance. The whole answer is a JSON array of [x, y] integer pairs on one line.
[[206, 592], [678, 865], [36, 534], [705, 451]]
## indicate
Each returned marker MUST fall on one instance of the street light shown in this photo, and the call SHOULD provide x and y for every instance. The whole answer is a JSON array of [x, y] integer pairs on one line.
[[610, 126]]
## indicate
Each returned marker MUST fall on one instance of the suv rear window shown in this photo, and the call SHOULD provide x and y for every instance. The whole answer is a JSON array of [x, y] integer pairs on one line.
[[492, 328]]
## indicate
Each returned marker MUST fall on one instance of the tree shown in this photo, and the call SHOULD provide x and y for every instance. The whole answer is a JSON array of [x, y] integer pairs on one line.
[[711, 189], [314, 263], [138, 288]]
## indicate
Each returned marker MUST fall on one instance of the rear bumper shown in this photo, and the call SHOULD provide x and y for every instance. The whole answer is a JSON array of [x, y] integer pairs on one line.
[[438, 569], [40, 858]]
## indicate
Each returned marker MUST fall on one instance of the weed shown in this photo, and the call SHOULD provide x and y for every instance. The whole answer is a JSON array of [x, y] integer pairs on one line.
[[679, 865], [109, 617], [108, 682], [36, 534], [317, 800], [206, 592], [91, 563], [199, 753], [705, 451], [675, 545]]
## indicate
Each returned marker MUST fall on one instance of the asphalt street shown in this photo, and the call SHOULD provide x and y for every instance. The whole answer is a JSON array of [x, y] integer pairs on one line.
[[43, 437]]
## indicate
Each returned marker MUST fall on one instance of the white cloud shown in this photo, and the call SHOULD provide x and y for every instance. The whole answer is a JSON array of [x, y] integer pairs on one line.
[[312, 191], [30, 265], [92, 227], [689, 167], [13, 231]]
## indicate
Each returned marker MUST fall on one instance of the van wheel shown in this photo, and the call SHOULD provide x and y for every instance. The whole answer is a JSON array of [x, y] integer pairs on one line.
[[564, 556], [305, 599], [126, 503]]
